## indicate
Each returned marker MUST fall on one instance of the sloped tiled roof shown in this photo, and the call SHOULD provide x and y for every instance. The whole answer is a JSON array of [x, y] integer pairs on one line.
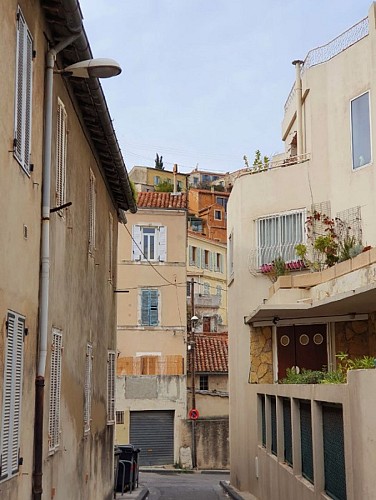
[[211, 353], [162, 200]]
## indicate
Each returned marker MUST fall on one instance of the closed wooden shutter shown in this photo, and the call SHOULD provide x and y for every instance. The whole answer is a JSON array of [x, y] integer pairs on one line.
[[149, 307], [111, 387], [191, 255], [92, 204], [136, 243], [162, 244], [88, 379], [23, 93], [12, 395], [55, 390], [61, 153]]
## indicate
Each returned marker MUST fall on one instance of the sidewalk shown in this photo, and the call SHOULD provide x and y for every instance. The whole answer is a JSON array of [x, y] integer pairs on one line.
[[139, 494], [234, 493]]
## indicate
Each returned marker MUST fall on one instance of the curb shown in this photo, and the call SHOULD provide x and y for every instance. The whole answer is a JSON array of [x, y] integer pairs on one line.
[[184, 471], [143, 494], [230, 490]]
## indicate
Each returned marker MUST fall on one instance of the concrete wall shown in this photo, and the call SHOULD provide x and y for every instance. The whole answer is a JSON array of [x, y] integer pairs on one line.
[[212, 442], [161, 392], [270, 478]]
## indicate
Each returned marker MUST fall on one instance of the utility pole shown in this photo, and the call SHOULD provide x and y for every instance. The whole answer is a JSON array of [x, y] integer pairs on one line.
[[193, 371]]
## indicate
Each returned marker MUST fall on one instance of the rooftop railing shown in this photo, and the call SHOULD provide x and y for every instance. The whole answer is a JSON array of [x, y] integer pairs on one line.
[[326, 52]]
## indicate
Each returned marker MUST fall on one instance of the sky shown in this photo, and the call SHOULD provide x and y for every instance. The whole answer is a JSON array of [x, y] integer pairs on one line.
[[204, 82]]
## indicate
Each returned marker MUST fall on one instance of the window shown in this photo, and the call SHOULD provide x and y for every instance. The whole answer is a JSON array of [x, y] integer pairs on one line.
[[220, 200], [278, 235], [55, 389], [61, 154], [157, 180], [206, 289], [217, 215], [360, 131], [92, 203], [12, 395], [206, 259], [23, 94], [149, 243], [204, 382], [218, 262], [180, 186], [188, 288], [231, 255], [88, 383], [149, 307], [110, 387], [120, 417], [110, 247]]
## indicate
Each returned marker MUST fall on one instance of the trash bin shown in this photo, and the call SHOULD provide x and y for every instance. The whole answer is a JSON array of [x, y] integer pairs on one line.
[[117, 453], [127, 478]]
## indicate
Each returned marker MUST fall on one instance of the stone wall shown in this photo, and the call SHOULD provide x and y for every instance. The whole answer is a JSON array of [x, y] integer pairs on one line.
[[356, 338], [261, 356], [212, 442]]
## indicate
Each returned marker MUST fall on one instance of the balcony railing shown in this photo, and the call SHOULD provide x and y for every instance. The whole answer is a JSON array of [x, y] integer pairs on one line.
[[326, 52], [272, 165]]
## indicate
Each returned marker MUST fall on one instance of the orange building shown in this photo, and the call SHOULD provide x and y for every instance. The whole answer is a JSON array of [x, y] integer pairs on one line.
[[208, 213]]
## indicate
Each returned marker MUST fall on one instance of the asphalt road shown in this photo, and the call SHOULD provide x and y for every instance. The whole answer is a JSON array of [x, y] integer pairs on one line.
[[184, 486]]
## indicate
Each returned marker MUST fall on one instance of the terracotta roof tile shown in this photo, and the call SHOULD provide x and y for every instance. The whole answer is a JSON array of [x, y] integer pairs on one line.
[[211, 352], [162, 200]]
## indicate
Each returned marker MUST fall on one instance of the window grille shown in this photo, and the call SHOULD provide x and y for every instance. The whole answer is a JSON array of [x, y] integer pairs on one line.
[[119, 417], [204, 382], [273, 419], [287, 431], [334, 451], [110, 387], [306, 440], [278, 236], [263, 419], [55, 390], [88, 384]]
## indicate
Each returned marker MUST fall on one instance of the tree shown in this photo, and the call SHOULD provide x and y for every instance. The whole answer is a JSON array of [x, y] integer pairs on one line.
[[164, 187], [159, 162]]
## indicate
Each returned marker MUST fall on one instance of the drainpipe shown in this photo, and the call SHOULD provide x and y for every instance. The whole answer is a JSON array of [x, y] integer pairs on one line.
[[175, 171], [299, 119], [44, 277]]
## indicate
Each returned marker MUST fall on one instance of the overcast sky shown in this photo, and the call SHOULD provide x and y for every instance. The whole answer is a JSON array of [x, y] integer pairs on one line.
[[204, 81]]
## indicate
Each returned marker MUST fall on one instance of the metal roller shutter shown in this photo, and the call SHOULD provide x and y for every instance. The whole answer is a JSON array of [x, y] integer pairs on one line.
[[153, 433]]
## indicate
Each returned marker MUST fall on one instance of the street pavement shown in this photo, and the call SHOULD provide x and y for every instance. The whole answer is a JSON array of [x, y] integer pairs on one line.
[[171, 485]]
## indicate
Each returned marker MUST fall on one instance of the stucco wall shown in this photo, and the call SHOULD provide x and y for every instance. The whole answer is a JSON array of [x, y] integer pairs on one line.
[[212, 442]]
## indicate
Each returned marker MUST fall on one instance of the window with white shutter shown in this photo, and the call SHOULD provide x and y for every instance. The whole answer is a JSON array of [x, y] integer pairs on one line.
[[111, 387], [88, 383], [149, 307], [61, 153], [23, 94], [149, 243], [92, 204], [110, 247], [55, 390], [12, 396]]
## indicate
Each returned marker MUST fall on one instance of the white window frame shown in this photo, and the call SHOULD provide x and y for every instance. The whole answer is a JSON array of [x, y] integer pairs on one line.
[[356, 168], [160, 243], [88, 386], [142, 294], [54, 433], [12, 396], [266, 254], [23, 94], [92, 212], [111, 372], [61, 153]]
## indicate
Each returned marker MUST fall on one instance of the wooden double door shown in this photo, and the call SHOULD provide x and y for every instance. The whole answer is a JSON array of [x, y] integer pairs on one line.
[[301, 346]]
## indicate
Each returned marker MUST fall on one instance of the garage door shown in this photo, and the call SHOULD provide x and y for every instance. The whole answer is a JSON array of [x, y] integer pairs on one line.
[[153, 432]]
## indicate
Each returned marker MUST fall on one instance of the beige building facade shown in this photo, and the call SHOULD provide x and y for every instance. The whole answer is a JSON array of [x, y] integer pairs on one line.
[[56, 377], [207, 266], [151, 330], [299, 441]]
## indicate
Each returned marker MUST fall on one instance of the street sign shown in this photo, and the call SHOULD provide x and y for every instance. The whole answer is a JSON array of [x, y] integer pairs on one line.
[[193, 414]]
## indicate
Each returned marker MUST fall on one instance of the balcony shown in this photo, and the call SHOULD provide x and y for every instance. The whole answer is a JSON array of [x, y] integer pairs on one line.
[[207, 301], [150, 365], [310, 441]]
